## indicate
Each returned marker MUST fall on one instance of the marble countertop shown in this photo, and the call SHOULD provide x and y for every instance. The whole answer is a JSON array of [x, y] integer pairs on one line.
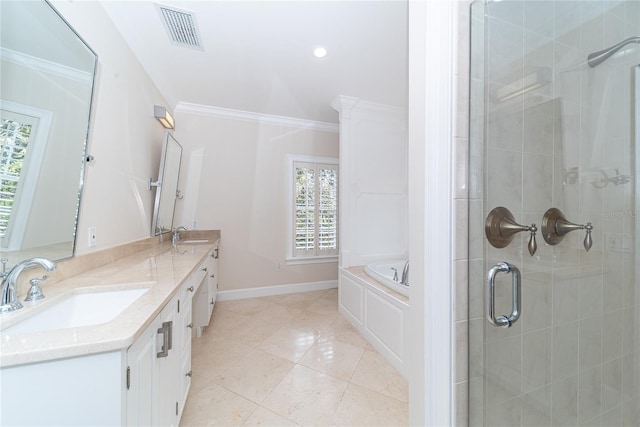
[[161, 269]]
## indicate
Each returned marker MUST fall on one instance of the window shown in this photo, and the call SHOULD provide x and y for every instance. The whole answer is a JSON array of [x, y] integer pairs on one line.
[[14, 141], [314, 209], [23, 136]]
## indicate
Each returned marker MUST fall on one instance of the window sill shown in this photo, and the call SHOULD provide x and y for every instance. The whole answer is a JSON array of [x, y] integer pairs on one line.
[[311, 260]]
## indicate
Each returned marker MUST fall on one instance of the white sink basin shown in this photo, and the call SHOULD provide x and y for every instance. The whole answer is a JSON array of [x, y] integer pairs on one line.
[[83, 309], [193, 241]]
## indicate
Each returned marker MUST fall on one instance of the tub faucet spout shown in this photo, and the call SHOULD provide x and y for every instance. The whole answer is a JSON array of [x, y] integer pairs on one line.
[[405, 274]]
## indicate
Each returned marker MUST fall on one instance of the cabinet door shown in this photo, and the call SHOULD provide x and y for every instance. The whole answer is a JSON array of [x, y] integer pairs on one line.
[[168, 365], [142, 381], [183, 375], [213, 278]]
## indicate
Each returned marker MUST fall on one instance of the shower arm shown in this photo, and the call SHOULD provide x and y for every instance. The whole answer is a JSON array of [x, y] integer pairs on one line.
[[597, 58]]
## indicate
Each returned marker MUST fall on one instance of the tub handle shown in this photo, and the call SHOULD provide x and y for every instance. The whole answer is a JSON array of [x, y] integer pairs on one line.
[[395, 274]]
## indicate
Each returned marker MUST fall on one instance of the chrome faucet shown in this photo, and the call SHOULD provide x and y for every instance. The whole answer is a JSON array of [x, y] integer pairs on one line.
[[9, 283], [405, 274], [176, 234]]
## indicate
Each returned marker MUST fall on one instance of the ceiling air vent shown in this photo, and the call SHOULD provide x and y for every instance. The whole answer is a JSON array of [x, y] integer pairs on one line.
[[181, 27]]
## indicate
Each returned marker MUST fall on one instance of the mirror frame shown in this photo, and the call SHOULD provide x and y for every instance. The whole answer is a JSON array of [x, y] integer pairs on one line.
[[160, 185]]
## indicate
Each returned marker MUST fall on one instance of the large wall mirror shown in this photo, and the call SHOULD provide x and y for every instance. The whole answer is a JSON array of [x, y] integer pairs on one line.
[[46, 86], [167, 186]]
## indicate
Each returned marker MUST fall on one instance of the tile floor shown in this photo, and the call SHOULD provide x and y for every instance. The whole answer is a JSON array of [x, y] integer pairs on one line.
[[290, 360]]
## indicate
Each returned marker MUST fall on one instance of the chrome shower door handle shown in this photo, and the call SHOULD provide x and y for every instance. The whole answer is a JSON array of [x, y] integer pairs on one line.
[[490, 297]]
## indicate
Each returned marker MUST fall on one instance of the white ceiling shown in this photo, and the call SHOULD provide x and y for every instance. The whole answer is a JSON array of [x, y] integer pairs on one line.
[[258, 55]]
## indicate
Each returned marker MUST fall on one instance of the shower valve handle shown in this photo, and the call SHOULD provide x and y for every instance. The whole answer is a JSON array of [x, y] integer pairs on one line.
[[500, 227], [555, 226]]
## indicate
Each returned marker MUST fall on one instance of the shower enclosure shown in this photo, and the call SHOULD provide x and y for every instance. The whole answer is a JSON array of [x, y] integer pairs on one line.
[[554, 250]]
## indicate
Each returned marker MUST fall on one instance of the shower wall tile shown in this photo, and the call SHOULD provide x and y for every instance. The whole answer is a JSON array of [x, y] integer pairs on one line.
[[536, 17], [460, 168], [462, 403], [612, 338], [461, 95], [461, 301], [539, 123], [564, 402], [504, 178], [611, 385], [590, 337], [461, 181], [565, 351], [461, 221], [538, 186], [590, 396], [536, 307], [536, 407], [462, 351], [507, 413], [536, 358], [476, 287]]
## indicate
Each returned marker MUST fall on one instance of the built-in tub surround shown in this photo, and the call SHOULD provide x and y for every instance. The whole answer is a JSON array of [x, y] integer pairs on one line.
[[152, 264], [378, 313], [392, 274]]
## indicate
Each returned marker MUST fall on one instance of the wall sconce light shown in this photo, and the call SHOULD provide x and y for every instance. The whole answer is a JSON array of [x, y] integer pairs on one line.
[[164, 117]]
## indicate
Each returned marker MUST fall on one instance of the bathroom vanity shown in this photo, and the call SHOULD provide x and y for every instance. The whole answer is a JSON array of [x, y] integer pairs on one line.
[[134, 369]]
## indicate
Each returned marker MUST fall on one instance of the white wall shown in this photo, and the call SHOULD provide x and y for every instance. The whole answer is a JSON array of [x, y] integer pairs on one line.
[[373, 182], [234, 179], [125, 138]]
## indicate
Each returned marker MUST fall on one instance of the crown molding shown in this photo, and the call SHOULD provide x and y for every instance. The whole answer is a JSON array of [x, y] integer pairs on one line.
[[249, 116], [43, 65]]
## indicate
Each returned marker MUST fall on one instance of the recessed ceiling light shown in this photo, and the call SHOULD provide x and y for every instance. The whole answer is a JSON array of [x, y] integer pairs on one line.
[[319, 52]]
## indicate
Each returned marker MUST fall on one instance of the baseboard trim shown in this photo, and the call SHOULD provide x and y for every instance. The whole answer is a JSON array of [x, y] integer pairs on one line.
[[266, 291]]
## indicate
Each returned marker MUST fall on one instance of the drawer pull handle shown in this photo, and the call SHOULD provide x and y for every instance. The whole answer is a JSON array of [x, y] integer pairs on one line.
[[189, 374], [190, 325], [190, 288]]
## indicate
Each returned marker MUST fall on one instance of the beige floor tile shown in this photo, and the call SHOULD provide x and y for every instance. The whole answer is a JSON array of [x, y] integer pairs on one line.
[[333, 358], [363, 407], [248, 307], [300, 300], [306, 397], [289, 343], [214, 405], [251, 331], [198, 382], [375, 373], [312, 322], [276, 313], [210, 359], [331, 294], [254, 375], [266, 418], [341, 330], [222, 323], [324, 305]]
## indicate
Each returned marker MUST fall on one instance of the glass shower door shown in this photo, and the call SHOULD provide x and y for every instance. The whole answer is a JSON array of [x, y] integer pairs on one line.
[[554, 332]]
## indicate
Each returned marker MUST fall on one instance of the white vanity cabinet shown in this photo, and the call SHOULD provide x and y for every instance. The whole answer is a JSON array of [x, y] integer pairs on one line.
[[159, 365], [207, 290]]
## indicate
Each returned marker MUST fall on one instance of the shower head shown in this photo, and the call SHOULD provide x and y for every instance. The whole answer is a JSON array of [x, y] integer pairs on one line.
[[597, 58]]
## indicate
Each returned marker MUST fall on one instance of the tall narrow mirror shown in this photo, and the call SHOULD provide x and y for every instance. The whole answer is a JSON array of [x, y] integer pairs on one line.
[[46, 87], [167, 186]]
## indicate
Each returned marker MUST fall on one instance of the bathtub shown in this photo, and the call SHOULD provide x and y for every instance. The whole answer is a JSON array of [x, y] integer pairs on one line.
[[383, 272]]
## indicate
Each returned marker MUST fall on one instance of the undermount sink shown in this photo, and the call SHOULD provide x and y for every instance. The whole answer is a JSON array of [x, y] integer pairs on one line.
[[194, 241], [81, 309]]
